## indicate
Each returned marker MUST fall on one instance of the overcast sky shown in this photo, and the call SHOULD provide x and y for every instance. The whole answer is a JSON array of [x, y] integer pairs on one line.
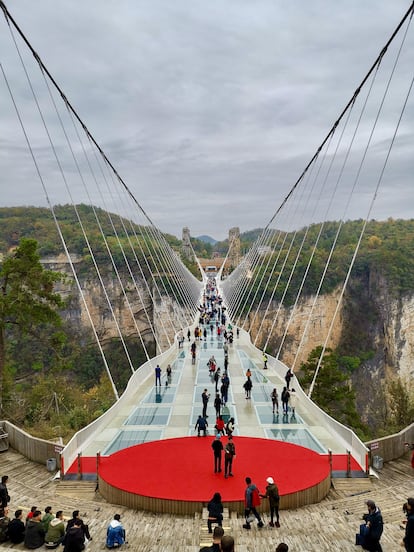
[[208, 109]]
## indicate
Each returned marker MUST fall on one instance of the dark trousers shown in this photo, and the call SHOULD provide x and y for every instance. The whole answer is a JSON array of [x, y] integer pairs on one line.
[[217, 463], [228, 463]]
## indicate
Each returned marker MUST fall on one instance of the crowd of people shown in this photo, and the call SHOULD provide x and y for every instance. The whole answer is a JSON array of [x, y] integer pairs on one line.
[[38, 529]]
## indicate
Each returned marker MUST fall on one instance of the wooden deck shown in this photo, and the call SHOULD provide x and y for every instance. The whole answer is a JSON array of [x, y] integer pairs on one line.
[[329, 525]]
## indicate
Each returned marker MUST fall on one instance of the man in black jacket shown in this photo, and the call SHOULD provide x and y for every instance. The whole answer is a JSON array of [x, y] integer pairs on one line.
[[376, 525], [16, 528], [4, 493]]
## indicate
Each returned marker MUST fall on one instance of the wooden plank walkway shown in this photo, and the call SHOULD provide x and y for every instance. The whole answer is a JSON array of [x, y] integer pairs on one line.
[[329, 525]]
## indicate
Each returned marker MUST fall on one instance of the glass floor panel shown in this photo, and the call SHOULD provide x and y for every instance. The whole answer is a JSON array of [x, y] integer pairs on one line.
[[164, 395], [297, 436], [149, 415], [246, 362], [128, 438], [261, 392], [266, 416]]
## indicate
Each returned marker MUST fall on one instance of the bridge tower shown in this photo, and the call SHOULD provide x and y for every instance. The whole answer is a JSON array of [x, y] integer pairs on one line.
[[234, 247], [186, 248]]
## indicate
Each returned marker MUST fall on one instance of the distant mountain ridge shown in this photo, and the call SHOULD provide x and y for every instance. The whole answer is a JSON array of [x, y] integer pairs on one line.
[[207, 239]]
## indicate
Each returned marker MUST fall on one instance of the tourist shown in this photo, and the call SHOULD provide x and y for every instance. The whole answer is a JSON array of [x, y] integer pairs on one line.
[[56, 531], [4, 493], [220, 425], [157, 375], [4, 524], [293, 401], [285, 400], [218, 533], [47, 518], [16, 528], [248, 387], [75, 519], [227, 543], [75, 537], [408, 540], [115, 534], [375, 527], [251, 500], [30, 514], [264, 361], [275, 400], [215, 511], [205, 396], [230, 427], [288, 377], [35, 533], [217, 404], [272, 493], [201, 425], [229, 454], [169, 374], [217, 447]]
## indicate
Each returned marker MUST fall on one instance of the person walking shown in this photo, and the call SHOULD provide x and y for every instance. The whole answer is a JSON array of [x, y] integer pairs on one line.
[[229, 454], [217, 447], [217, 404], [272, 493], [264, 361], [251, 500], [248, 388], [215, 512]]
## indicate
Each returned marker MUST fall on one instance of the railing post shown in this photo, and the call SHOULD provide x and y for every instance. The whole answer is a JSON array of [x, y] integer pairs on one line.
[[79, 465], [330, 463], [348, 463]]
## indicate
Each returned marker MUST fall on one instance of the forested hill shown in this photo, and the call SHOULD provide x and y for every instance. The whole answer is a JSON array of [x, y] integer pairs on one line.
[[388, 245]]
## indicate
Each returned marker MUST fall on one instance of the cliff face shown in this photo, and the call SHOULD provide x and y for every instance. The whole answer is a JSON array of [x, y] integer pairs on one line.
[[370, 322]]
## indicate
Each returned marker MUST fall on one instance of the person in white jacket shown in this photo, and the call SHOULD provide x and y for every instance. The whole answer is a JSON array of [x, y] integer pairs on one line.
[[293, 400]]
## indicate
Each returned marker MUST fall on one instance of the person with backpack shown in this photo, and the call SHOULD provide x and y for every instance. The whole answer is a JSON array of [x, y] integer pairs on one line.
[[251, 501], [272, 493]]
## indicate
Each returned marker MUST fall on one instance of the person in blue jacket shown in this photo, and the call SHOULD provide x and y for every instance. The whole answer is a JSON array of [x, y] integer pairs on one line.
[[115, 534]]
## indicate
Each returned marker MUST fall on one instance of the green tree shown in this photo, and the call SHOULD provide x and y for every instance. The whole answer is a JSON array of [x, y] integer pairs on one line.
[[332, 390], [27, 297]]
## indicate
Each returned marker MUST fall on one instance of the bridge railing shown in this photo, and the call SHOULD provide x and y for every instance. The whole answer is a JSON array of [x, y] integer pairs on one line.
[[350, 441], [80, 440]]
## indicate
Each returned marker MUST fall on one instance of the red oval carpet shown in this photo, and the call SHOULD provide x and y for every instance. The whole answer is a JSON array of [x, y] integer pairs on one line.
[[183, 468]]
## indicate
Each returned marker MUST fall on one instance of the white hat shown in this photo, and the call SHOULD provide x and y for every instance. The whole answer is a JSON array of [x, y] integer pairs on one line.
[[270, 480]]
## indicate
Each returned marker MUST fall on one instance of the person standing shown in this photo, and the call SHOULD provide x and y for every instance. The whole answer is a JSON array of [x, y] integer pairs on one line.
[[264, 361], [217, 447], [229, 454], [251, 500], [205, 396], [293, 400], [272, 493], [288, 377], [230, 427], [275, 400], [408, 540], [157, 375], [375, 527], [285, 400], [4, 493], [217, 404]]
